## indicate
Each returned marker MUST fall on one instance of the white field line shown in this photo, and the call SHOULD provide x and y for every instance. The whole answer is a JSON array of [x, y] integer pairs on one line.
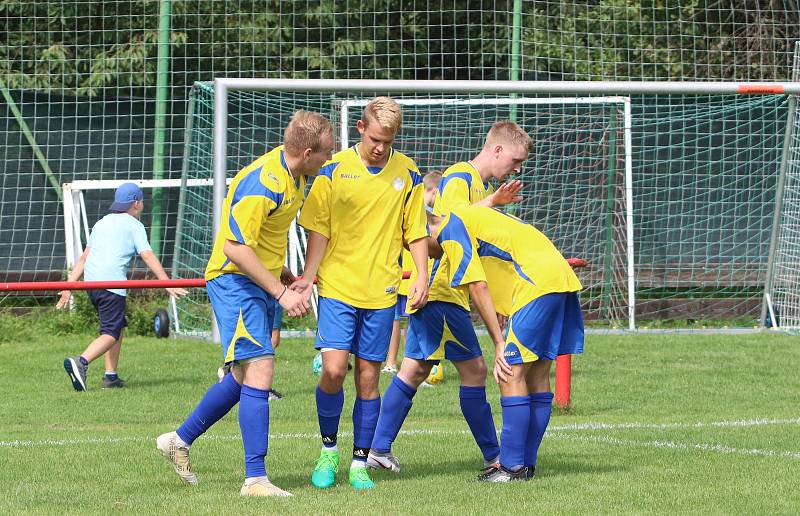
[[553, 430], [715, 448]]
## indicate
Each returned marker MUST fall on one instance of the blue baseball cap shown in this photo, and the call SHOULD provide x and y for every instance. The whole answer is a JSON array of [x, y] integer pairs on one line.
[[125, 196]]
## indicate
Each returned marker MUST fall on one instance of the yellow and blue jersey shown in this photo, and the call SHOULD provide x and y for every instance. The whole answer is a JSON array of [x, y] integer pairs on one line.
[[366, 214], [261, 203], [471, 234], [461, 185]]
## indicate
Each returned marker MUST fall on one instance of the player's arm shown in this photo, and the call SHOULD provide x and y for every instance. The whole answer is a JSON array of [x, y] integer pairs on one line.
[[505, 194], [74, 275], [415, 232], [151, 260], [482, 298], [315, 217]]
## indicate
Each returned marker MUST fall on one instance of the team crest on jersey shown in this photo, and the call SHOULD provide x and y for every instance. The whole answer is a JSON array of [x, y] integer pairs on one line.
[[391, 290], [397, 184]]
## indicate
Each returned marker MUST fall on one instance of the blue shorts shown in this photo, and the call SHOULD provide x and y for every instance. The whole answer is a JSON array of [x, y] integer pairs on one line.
[[111, 311], [400, 307], [277, 320], [441, 330], [364, 332], [548, 326], [244, 314]]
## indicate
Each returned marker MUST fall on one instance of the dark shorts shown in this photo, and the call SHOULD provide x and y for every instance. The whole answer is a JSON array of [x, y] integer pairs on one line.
[[111, 309]]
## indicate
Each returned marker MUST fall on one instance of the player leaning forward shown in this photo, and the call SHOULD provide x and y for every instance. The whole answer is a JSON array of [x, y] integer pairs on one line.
[[545, 322], [362, 206], [244, 288]]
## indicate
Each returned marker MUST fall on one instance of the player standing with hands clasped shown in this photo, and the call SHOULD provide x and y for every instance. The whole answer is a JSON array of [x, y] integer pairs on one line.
[[443, 328], [244, 285], [363, 205]]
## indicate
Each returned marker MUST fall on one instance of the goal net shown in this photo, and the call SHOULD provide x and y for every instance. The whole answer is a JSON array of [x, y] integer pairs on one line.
[[669, 197]]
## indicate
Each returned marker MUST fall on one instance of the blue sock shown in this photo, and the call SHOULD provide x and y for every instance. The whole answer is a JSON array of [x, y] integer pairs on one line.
[[397, 402], [254, 424], [83, 360], [516, 417], [329, 409], [478, 413], [541, 406], [111, 376], [217, 402], [365, 417]]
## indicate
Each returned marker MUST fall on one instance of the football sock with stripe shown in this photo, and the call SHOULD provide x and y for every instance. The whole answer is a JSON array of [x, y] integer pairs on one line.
[[217, 401], [478, 413], [365, 417], [516, 419], [254, 424], [397, 402], [541, 407], [329, 410]]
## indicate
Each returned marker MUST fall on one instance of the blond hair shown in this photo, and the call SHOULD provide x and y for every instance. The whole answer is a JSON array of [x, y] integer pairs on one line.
[[305, 131], [506, 132], [385, 111], [431, 179]]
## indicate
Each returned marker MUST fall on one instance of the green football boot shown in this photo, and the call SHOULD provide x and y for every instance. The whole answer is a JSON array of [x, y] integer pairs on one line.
[[359, 479], [324, 474]]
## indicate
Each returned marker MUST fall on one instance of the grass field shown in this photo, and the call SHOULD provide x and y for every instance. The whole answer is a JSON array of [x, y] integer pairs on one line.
[[659, 423]]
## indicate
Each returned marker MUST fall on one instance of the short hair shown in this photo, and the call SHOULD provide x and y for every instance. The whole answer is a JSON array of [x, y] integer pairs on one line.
[[385, 111], [507, 132], [431, 179], [305, 131]]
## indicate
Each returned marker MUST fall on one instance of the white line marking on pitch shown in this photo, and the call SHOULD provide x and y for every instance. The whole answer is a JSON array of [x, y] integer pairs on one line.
[[716, 448], [665, 426]]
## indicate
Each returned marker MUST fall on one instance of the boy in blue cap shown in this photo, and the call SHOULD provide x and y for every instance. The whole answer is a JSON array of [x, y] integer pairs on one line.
[[114, 240]]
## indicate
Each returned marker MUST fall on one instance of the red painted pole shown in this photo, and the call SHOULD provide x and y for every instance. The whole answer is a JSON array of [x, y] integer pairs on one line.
[[563, 380], [92, 285]]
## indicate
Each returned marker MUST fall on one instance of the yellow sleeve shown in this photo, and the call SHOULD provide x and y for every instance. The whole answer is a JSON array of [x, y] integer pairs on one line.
[[414, 220], [251, 203], [464, 264], [316, 213], [455, 192]]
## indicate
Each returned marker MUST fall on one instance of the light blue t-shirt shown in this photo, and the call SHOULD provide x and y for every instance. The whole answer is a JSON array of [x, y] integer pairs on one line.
[[114, 240]]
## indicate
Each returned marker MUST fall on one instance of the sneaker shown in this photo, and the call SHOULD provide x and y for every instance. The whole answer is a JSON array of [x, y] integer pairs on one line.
[[275, 395], [116, 383], [324, 474], [262, 487], [77, 372], [489, 465], [359, 478], [178, 456], [501, 474], [389, 369], [377, 460], [530, 472]]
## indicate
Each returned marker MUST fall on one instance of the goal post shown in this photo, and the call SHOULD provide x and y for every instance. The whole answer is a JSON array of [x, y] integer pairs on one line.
[[688, 168]]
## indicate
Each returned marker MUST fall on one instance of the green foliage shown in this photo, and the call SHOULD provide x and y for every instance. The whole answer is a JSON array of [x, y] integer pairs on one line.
[[84, 47], [81, 320]]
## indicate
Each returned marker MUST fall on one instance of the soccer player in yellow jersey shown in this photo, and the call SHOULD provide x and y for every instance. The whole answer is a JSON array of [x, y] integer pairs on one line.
[[244, 286], [545, 321], [362, 206], [431, 183], [443, 328]]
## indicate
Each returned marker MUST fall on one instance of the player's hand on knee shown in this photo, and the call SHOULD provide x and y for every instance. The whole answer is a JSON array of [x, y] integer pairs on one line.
[[502, 371], [64, 299]]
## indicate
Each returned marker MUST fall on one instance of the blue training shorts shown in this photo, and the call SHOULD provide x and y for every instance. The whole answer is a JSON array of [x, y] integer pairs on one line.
[[244, 313], [548, 326], [364, 332], [111, 311], [277, 320], [400, 307], [441, 330]]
